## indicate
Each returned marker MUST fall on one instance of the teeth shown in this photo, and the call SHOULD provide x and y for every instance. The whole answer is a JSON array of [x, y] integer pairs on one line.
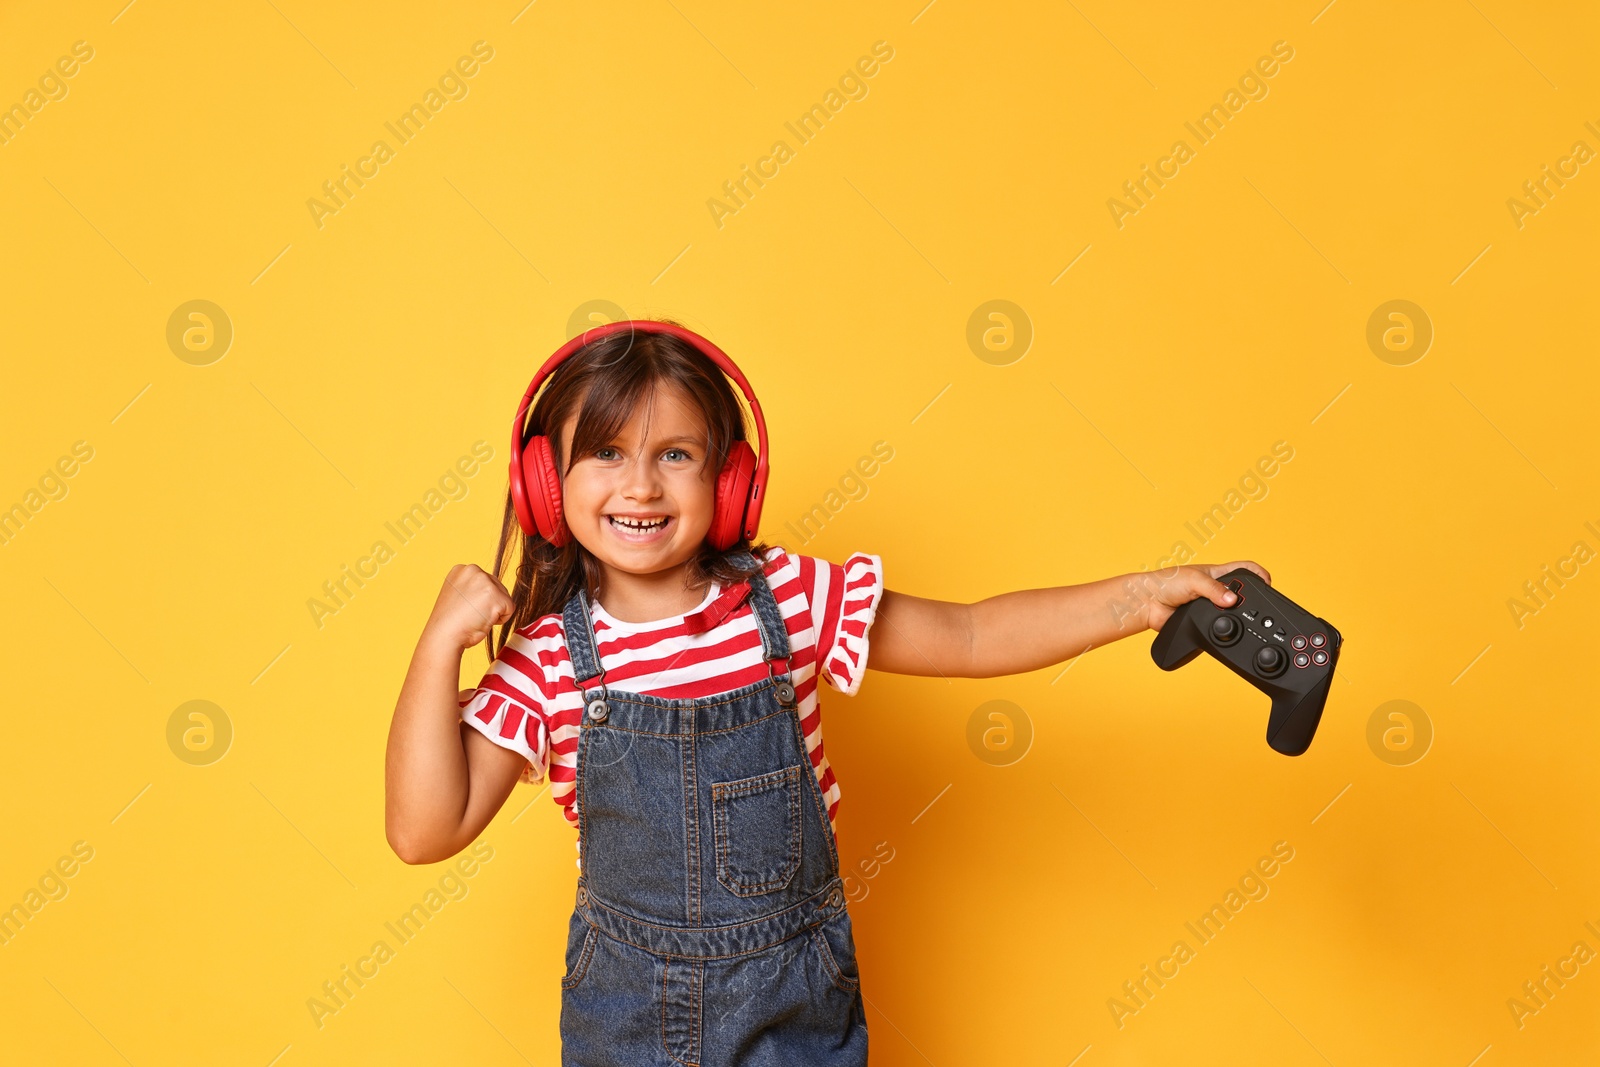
[[634, 524]]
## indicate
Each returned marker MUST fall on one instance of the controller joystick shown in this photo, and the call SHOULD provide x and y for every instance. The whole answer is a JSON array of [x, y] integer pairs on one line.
[[1270, 661], [1225, 629], [1260, 637]]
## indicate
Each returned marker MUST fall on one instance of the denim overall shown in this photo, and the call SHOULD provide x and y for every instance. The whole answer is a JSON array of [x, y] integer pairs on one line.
[[710, 926]]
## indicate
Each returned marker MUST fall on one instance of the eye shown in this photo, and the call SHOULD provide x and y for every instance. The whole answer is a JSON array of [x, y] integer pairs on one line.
[[600, 452], [680, 452]]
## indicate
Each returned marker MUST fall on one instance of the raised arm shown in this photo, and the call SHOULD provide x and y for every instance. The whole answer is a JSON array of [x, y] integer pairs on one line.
[[1030, 629], [444, 781]]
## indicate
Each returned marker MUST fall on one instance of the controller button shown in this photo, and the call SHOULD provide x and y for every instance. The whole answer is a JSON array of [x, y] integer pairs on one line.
[[1269, 661], [1301, 659], [1225, 629], [1267, 622], [1320, 657], [1299, 641], [1318, 640]]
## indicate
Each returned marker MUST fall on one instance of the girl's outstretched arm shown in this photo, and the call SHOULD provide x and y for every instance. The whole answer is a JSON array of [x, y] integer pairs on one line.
[[444, 781], [1030, 629]]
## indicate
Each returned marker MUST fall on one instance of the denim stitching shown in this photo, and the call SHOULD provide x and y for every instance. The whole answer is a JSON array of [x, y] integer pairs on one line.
[[814, 790], [666, 971], [585, 954], [789, 779], [646, 949], [691, 835], [813, 900], [685, 733], [584, 728], [732, 696], [697, 982], [666, 975], [756, 783], [807, 928], [840, 979]]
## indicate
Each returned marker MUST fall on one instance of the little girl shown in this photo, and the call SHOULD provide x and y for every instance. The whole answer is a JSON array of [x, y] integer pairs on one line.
[[661, 669]]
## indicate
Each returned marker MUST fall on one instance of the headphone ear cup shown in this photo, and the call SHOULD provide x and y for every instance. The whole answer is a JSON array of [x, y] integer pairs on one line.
[[543, 486], [519, 492], [733, 496]]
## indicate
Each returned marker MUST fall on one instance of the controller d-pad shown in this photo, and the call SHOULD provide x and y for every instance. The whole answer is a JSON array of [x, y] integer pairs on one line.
[[1225, 629], [1270, 661]]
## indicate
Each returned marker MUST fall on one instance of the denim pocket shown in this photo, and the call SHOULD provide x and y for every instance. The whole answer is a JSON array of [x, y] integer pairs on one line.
[[836, 945], [757, 826], [580, 950]]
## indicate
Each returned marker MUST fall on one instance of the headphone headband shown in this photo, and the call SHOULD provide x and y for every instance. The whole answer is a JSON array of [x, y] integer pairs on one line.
[[757, 480]]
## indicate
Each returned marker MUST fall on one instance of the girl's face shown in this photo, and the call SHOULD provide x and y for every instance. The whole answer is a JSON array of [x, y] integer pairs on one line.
[[663, 487]]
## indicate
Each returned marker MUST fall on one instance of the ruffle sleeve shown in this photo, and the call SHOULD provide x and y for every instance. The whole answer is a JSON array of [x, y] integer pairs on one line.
[[505, 707], [860, 584]]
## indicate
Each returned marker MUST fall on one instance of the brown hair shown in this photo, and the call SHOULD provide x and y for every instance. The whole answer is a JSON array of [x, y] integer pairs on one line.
[[604, 382]]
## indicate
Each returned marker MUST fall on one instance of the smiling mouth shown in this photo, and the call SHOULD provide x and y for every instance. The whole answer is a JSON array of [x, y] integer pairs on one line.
[[638, 527]]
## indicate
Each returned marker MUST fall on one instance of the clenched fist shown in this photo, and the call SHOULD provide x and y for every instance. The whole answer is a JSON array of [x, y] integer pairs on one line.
[[471, 603]]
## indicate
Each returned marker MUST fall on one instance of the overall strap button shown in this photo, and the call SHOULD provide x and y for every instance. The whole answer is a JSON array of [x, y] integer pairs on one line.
[[597, 710], [782, 687]]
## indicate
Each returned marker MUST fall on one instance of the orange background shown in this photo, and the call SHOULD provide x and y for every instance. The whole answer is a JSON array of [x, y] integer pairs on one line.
[[1164, 357]]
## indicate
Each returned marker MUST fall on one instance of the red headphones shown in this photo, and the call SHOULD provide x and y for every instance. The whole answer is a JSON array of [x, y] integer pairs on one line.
[[536, 484]]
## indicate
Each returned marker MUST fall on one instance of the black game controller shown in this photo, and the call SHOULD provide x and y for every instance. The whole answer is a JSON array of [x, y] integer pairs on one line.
[[1269, 641]]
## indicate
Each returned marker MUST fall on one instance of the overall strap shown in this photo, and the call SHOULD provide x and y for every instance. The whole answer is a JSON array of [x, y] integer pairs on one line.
[[774, 635], [581, 643]]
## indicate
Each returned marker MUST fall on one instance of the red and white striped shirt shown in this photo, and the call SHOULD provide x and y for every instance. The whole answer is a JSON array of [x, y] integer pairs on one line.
[[529, 701]]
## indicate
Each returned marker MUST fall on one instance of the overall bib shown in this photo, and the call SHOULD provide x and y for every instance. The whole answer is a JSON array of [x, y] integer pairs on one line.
[[710, 928]]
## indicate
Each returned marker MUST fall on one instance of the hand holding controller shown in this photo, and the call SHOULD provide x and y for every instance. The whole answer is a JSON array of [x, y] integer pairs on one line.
[[1269, 641]]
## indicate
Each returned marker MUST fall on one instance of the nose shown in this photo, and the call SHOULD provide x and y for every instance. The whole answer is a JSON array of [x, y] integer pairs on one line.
[[641, 481]]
